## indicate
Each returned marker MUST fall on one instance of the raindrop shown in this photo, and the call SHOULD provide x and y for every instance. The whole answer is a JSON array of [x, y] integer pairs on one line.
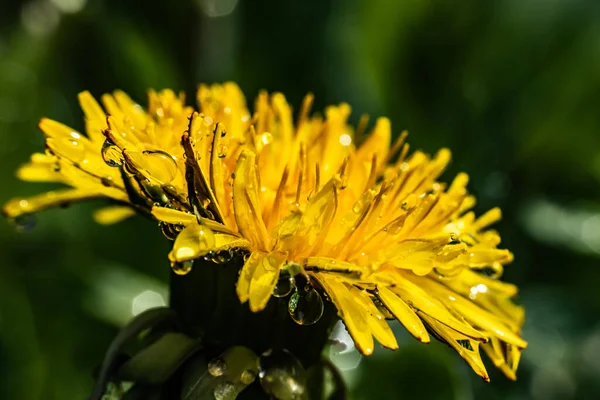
[[248, 376], [306, 307], [25, 222], [193, 241], [494, 271], [182, 268], [281, 375], [222, 151], [106, 181], [225, 391], [217, 367], [222, 257], [209, 256], [447, 274], [168, 230], [284, 285], [111, 154], [161, 165], [382, 309]]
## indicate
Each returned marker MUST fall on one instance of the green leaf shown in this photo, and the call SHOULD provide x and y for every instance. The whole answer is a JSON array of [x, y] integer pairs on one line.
[[142, 322], [157, 362]]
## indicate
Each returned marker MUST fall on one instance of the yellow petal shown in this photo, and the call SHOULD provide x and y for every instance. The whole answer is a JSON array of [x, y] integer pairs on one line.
[[95, 119], [21, 206], [474, 314], [490, 217], [41, 168], [246, 203], [470, 355], [426, 301], [379, 326], [353, 314], [343, 269], [264, 278], [172, 216], [243, 283], [197, 240], [113, 214], [403, 313], [192, 242]]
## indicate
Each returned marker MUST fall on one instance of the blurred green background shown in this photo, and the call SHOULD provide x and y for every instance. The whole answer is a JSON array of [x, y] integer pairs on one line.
[[511, 86]]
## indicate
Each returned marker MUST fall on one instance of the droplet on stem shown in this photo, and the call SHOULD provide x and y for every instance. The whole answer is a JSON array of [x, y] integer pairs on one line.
[[217, 367], [225, 391], [281, 375]]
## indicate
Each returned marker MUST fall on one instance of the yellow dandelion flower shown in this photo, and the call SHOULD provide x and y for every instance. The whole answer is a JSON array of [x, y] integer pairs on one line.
[[367, 225]]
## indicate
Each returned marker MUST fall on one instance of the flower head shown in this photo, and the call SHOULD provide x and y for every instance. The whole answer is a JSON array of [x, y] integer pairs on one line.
[[366, 225]]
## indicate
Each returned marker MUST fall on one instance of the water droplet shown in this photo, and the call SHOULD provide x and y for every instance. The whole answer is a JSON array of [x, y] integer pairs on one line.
[[193, 241], [222, 151], [281, 375], [494, 271], [266, 138], [383, 309], [111, 154], [306, 306], [209, 256], [182, 268], [445, 274], [106, 181], [160, 165], [285, 284], [225, 391], [248, 376], [25, 222], [222, 257], [217, 366], [168, 230]]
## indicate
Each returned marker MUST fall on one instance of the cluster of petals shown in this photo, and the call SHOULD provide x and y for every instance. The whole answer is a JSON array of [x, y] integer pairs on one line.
[[360, 216]]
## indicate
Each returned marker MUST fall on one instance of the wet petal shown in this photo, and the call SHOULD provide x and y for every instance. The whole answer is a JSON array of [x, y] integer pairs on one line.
[[376, 321], [264, 278], [245, 278], [246, 201], [403, 313], [351, 313], [21, 206], [465, 346], [113, 214]]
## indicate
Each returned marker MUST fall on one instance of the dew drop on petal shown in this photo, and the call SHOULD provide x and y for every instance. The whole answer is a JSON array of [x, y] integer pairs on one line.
[[222, 257], [182, 268], [222, 151], [217, 366], [193, 241], [25, 222], [161, 165], [306, 306], [284, 286], [111, 154], [494, 271], [281, 375], [225, 391]]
